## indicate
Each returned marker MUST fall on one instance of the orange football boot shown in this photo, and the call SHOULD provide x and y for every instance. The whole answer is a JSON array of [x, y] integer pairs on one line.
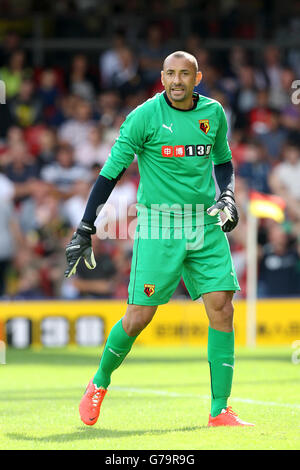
[[227, 417], [90, 404]]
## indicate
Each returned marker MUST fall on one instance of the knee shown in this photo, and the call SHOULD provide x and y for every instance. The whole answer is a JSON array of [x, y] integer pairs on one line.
[[136, 324], [136, 320], [221, 315], [227, 313]]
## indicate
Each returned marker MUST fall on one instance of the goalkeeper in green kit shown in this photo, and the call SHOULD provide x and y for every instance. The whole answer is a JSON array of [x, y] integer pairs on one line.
[[177, 136]]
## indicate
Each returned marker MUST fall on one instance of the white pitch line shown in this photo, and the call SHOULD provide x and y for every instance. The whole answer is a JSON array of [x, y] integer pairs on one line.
[[145, 391]]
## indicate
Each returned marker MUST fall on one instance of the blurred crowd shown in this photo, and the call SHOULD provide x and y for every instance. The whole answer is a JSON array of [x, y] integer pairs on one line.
[[58, 126]]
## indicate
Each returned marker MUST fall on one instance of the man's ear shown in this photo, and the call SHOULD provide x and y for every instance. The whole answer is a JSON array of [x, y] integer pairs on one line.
[[198, 78], [162, 77]]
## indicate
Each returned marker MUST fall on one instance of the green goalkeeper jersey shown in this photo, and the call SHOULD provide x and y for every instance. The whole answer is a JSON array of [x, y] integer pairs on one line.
[[175, 149]]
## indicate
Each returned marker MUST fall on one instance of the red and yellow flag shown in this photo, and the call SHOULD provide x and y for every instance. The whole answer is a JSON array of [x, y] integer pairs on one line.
[[267, 206]]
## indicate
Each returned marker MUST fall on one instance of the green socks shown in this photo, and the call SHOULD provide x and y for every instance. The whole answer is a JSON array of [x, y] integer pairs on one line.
[[117, 347], [220, 349]]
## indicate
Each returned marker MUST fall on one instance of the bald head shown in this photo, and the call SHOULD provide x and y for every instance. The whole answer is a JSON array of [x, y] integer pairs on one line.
[[179, 77], [181, 55]]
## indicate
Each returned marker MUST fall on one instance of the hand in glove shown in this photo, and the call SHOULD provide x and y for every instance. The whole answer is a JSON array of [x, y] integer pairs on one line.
[[80, 246], [226, 203]]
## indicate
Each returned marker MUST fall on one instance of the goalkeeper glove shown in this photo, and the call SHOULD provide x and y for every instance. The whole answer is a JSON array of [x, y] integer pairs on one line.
[[226, 203], [80, 246]]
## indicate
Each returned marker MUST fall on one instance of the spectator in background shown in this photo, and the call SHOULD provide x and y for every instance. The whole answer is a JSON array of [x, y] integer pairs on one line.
[[21, 166], [32, 211], [14, 73], [98, 283], [259, 118], [10, 44], [74, 207], [278, 267], [255, 168], [285, 177], [292, 31], [47, 147], [26, 107], [22, 170], [237, 58], [151, 54], [63, 173], [193, 43], [26, 274], [48, 92], [238, 146], [108, 107], [13, 135], [29, 284], [109, 62], [229, 82], [42, 220], [11, 238], [112, 133], [280, 97], [274, 137], [272, 67], [128, 79], [203, 58], [246, 95], [64, 110], [75, 131], [45, 229], [7, 188], [93, 150], [79, 82], [132, 100], [290, 118], [220, 96], [209, 81], [115, 210]]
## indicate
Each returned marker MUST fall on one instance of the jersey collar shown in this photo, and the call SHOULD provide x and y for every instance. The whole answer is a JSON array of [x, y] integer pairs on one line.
[[196, 97]]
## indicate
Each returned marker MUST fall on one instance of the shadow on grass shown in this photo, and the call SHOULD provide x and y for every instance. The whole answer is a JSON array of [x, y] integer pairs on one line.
[[76, 397], [139, 392], [65, 358], [92, 433]]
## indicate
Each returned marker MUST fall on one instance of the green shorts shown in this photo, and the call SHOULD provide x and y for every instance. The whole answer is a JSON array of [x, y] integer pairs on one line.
[[204, 262]]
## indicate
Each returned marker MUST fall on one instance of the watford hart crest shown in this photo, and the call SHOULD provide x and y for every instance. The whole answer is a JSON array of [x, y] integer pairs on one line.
[[149, 289], [204, 125]]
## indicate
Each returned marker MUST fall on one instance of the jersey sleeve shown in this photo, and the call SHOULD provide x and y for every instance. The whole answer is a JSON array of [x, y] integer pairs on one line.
[[129, 143], [221, 151]]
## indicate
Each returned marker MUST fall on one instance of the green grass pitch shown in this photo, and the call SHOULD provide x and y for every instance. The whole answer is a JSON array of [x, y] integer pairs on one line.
[[158, 399]]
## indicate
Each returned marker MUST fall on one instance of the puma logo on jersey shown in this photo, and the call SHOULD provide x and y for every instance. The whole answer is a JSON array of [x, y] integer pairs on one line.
[[168, 127]]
